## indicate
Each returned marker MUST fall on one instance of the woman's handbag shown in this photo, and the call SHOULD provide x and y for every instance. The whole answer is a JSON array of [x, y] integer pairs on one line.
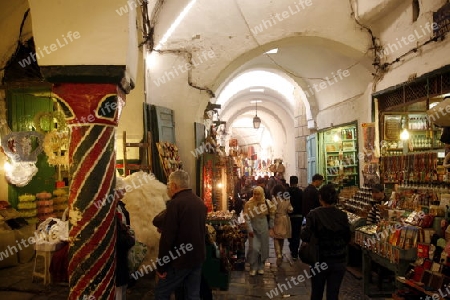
[[136, 256], [309, 252]]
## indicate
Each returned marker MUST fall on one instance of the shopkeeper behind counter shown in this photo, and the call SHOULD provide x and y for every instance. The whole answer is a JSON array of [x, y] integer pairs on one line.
[[378, 200]]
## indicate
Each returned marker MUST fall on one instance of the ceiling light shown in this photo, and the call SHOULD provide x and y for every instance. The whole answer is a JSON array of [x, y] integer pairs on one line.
[[256, 101], [273, 51], [256, 119], [257, 90], [175, 24]]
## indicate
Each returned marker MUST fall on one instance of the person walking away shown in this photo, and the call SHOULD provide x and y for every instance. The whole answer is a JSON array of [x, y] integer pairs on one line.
[[311, 195], [331, 228], [295, 216], [256, 214], [282, 224], [182, 244]]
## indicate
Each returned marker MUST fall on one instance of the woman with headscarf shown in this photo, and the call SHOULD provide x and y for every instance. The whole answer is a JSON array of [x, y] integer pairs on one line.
[[282, 224], [259, 216]]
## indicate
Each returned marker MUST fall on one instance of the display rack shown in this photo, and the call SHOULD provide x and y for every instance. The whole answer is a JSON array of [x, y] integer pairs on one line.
[[340, 156]]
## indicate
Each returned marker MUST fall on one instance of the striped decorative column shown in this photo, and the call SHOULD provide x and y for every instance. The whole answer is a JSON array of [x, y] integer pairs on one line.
[[92, 112]]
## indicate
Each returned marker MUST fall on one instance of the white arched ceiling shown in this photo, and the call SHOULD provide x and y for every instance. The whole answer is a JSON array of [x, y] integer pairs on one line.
[[276, 106], [308, 51]]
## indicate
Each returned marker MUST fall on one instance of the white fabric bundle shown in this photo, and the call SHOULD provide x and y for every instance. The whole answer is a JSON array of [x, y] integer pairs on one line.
[[144, 199]]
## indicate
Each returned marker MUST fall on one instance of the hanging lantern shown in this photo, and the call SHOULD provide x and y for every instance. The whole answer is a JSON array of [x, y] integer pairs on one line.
[[22, 148]]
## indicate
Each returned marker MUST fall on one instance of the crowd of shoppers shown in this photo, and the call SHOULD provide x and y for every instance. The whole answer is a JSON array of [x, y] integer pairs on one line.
[[271, 208]]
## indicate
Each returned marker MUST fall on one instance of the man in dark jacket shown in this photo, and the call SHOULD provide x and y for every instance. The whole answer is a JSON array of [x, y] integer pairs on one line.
[[311, 195], [296, 216], [327, 228], [182, 244]]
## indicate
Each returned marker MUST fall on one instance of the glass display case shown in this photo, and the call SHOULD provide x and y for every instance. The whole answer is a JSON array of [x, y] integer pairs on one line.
[[408, 132], [340, 155]]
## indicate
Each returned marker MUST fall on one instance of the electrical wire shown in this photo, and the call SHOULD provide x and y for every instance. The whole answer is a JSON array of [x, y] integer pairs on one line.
[[22, 24]]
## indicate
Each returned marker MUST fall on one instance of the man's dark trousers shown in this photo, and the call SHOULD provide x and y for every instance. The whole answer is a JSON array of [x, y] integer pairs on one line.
[[294, 241]]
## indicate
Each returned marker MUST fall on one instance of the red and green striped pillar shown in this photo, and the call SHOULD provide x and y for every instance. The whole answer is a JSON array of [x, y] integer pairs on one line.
[[92, 112]]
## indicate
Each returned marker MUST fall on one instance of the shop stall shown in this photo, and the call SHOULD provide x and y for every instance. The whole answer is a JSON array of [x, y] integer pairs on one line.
[[338, 155], [227, 251], [217, 177], [411, 241]]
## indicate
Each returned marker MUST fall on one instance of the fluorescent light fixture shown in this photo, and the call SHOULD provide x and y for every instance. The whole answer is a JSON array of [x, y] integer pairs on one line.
[[257, 90], [256, 101], [175, 24], [273, 51], [433, 104]]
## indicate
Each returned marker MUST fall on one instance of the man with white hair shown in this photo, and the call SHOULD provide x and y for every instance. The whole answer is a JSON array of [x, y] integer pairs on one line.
[[182, 244]]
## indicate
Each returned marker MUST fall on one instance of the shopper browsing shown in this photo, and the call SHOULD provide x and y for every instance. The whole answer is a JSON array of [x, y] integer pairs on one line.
[[183, 227], [258, 220], [282, 223]]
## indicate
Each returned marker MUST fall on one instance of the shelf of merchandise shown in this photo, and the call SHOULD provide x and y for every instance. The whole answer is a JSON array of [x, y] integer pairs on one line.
[[418, 287], [341, 151]]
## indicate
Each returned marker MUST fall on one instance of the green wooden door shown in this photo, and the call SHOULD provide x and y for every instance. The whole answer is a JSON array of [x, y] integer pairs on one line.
[[23, 105]]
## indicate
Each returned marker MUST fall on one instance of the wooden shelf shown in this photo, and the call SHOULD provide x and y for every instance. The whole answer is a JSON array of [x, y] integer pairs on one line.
[[418, 287]]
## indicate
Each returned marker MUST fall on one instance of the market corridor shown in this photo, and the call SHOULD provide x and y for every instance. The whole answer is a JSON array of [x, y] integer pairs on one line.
[[15, 284]]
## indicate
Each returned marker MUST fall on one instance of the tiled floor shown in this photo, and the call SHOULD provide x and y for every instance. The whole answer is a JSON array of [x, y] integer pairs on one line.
[[15, 284]]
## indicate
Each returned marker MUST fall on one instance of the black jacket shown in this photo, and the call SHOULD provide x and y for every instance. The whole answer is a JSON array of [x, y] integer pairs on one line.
[[124, 242], [296, 200], [310, 199], [332, 230], [183, 229]]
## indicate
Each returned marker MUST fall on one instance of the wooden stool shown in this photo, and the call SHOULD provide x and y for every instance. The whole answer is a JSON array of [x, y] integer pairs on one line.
[[47, 256]]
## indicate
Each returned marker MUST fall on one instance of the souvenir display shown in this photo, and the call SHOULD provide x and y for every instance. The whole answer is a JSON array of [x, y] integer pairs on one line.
[[60, 202], [168, 154], [44, 205], [27, 208]]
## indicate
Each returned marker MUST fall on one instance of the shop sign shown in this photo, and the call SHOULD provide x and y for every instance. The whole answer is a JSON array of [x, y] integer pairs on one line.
[[441, 21], [392, 127]]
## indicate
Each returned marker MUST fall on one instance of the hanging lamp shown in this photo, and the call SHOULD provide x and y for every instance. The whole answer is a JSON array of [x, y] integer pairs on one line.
[[256, 119]]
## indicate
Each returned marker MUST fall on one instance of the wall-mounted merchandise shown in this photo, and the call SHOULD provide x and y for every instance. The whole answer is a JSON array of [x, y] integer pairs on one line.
[[408, 132], [339, 155]]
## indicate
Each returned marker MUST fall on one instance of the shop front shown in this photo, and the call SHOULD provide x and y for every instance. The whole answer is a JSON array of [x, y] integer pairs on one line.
[[338, 155], [409, 244]]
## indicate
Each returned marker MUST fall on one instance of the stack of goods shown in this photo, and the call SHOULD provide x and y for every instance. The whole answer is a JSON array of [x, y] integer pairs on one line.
[[220, 215], [60, 202], [44, 205], [392, 240], [27, 208]]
